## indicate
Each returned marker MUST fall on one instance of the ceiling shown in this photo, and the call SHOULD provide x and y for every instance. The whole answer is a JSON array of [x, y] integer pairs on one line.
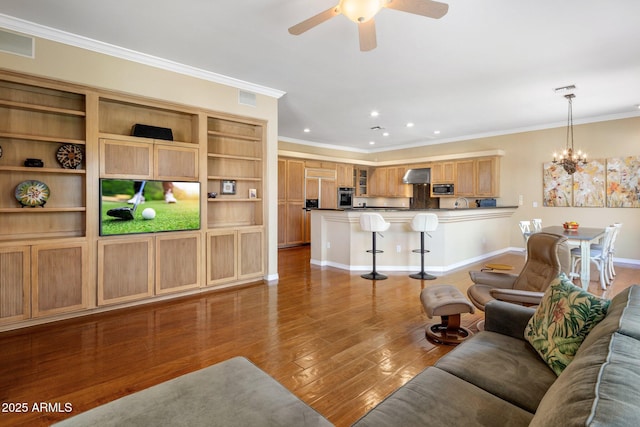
[[487, 67]]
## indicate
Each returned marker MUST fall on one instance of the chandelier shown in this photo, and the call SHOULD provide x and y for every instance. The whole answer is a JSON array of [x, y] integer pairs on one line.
[[569, 159]]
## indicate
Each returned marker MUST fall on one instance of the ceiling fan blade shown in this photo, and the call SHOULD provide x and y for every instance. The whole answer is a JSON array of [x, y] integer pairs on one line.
[[318, 19], [428, 8], [367, 33]]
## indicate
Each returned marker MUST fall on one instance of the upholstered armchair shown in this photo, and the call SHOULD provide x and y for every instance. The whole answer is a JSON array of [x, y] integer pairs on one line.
[[548, 255]]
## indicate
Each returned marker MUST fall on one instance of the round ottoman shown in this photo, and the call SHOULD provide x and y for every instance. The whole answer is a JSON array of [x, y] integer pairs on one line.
[[449, 303]]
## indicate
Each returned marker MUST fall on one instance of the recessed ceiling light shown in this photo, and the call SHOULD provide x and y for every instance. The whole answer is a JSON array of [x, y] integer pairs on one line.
[[372, 143], [436, 132], [307, 130], [374, 113], [638, 106], [410, 125], [385, 134]]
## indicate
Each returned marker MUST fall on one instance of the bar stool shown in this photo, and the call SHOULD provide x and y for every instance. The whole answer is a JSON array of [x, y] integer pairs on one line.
[[374, 223], [424, 223]]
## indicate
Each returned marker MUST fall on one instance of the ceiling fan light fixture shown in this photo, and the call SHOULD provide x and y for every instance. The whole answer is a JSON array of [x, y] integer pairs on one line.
[[360, 10]]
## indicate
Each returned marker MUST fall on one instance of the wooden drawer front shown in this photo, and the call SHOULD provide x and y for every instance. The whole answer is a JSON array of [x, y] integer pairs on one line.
[[125, 270], [58, 278], [176, 163], [14, 284], [124, 159], [177, 263]]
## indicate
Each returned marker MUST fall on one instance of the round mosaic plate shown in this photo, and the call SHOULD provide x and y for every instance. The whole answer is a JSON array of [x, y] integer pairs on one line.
[[69, 156], [32, 193]]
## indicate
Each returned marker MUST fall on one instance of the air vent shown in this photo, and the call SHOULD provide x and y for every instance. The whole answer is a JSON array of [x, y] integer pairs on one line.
[[247, 98], [16, 44]]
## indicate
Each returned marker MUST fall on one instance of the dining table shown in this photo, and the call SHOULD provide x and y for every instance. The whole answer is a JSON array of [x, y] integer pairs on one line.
[[584, 236]]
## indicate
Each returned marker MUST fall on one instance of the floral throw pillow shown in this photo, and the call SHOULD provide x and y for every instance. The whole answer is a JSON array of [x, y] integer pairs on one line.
[[563, 319]]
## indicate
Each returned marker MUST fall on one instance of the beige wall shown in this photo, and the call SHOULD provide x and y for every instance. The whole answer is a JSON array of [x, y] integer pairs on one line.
[[521, 174], [74, 65]]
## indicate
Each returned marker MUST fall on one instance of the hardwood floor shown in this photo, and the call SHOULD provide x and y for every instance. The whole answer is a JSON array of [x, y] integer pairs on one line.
[[339, 342]]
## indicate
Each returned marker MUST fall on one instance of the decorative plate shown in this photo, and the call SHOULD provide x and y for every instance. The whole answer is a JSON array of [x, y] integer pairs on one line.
[[0, 150], [69, 156], [32, 193]]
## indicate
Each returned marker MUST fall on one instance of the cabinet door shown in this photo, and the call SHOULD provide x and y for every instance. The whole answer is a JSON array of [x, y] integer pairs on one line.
[[465, 178], [282, 223], [125, 270], [175, 163], [312, 188], [250, 253], [307, 227], [487, 177], [126, 159], [328, 194], [282, 180], [295, 180], [345, 175], [222, 256], [177, 262], [14, 284], [58, 278], [295, 223], [379, 182]]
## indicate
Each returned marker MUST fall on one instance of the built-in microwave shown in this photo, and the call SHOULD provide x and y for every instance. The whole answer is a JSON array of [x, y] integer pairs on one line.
[[442, 189]]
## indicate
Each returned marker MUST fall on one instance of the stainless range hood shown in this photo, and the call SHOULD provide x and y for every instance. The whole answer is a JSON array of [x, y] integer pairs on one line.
[[417, 176]]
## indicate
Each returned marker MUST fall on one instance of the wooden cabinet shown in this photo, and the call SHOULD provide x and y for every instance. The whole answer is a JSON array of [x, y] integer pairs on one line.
[[344, 174], [488, 179], [443, 172], [125, 269], [42, 280], [15, 284], [177, 262], [477, 177], [235, 149], [234, 255], [321, 184], [465, 178], [291, 201], [387, 182], [361, 179], [36, 122]]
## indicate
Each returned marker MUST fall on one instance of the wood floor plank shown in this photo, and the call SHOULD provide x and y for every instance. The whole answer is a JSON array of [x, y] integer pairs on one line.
[[339, 342]]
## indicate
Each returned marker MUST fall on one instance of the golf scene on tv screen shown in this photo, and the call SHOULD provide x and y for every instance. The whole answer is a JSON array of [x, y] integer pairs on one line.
[[130, 206]]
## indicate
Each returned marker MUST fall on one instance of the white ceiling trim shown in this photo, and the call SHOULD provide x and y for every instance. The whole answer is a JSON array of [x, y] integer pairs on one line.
[[37, 30]]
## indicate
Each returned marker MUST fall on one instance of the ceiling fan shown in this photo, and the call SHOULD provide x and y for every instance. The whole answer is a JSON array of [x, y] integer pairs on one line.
[[362, 12]]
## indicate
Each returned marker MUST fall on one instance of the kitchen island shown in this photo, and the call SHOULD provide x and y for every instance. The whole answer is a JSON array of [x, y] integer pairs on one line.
[[463, 236]]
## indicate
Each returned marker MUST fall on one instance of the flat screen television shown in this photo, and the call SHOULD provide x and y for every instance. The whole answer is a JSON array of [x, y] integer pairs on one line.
[[130, 206]]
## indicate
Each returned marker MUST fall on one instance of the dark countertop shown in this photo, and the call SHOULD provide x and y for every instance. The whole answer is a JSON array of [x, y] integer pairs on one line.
[[395, 209]]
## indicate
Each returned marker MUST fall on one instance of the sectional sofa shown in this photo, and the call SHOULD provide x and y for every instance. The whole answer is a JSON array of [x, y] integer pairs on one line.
[[496, 378]]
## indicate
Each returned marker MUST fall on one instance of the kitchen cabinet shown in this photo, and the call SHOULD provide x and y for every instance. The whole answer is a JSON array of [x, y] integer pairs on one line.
[[291, 201], [488, 179], [361, 179], [344, 174], [387, 182], [443, 172], [477, 177], [321, 184], [465, 178]]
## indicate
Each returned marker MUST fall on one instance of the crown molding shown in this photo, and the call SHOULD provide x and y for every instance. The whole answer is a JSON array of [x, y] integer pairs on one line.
[[37, 30]]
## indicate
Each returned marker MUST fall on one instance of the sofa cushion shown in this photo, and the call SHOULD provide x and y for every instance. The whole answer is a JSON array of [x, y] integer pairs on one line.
[[504, 366], [599, 388], [563, 319], [437, 398]]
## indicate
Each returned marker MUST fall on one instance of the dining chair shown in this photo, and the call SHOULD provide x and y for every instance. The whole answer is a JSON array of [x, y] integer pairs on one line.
[[597, 256], [610, 271], [525, 228], [537, 224]]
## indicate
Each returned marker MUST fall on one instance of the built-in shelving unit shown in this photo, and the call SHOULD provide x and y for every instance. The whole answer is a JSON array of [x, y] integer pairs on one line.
[[35, 121], [54, 262]]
